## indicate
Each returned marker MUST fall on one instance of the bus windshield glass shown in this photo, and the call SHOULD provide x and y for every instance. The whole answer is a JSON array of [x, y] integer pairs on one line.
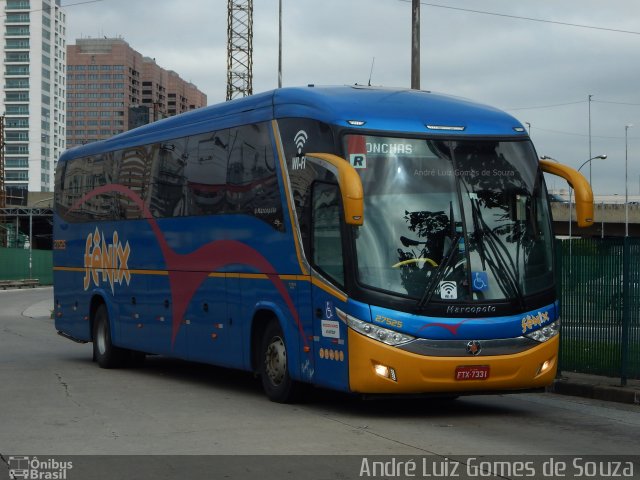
[[452, 220]]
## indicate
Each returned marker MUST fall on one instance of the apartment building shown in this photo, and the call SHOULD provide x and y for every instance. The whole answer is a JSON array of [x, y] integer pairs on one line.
[[112, 88], [33, 100]]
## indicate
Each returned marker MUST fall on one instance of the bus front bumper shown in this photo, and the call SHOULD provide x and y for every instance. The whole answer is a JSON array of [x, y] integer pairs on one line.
[[375, 367]]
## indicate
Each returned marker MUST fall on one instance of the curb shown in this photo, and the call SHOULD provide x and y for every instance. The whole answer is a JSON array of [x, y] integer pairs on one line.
[[597, 392]]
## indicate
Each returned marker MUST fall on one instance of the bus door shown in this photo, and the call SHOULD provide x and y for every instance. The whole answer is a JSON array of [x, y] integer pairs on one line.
[[331, 368]]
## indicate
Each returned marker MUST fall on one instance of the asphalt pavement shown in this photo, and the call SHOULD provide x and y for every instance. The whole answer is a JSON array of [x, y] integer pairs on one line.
[[567, 383]]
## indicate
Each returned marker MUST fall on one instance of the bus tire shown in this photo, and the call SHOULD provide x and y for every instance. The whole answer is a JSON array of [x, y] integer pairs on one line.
[[274, 373], [104, 352]]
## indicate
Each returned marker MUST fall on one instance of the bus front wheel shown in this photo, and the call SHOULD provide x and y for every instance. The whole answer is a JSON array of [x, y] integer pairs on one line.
[[274, 373], [104, 352]]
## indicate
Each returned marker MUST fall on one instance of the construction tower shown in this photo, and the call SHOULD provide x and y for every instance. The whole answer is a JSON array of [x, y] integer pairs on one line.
[[239, 48]]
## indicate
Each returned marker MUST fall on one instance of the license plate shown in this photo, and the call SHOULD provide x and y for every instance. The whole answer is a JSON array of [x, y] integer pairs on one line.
[[472, 372]]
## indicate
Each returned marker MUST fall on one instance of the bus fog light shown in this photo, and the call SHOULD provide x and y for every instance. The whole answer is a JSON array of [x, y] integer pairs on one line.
[[544, 367], [386, 372]]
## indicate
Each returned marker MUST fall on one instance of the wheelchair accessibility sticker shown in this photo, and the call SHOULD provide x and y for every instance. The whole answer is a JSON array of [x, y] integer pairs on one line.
[[480, 281]]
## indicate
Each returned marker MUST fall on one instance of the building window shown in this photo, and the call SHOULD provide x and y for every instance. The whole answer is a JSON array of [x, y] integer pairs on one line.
[[19, 149], [12, 70], [17, 96], [17, 18], [17, 43], [17, 175], [18, 5]]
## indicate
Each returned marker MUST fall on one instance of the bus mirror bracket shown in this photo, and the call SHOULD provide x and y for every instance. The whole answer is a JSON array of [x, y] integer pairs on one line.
[[583, 192], [349, 182]]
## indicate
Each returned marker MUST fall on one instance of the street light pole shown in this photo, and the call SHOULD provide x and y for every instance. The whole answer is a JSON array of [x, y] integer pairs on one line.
[[280, 44], [590, 154], [626, 177], [415, 45], [601, 157]]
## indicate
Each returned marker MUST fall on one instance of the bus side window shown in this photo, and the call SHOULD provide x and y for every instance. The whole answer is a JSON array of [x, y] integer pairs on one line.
[[327, 238], [133, 164], [206, 173], [252, 183]]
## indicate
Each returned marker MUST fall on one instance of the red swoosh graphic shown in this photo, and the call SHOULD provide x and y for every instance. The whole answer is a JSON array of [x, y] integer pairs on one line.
[[188, 271], [452, 328]]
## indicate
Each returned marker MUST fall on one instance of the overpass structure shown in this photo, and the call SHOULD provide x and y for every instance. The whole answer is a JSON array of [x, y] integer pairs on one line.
[[609, 220]]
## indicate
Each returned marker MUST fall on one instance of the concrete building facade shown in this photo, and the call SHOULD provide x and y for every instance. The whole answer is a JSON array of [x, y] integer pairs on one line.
[[34, 91], [113, 88]]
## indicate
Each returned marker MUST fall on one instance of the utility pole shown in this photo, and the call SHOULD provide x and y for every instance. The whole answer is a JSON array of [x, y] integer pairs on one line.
[[279, 43], [415, 44], [239, 48]]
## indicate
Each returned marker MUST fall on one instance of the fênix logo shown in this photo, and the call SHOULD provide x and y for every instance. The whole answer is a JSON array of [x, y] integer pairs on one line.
[[107, 259], [531, 321]]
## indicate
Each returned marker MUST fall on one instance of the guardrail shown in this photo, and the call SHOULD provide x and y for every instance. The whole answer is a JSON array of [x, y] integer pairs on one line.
[[31, 282]]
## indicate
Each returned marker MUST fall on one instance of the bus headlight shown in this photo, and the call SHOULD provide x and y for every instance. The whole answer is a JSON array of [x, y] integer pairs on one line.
[[545, 333], [384, 335]]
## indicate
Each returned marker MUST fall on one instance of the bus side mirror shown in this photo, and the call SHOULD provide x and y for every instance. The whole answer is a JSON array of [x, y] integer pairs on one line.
[[584, 194], [349, 182]]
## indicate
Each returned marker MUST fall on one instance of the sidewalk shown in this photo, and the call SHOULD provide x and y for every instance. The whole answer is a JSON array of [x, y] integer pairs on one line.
[[597, 387]]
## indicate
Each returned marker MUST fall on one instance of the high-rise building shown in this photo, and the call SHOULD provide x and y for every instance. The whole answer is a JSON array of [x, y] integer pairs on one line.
[[112, 88], [33, 100]]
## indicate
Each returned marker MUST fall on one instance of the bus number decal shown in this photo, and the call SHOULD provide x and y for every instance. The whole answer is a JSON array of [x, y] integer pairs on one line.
[[110, 260]]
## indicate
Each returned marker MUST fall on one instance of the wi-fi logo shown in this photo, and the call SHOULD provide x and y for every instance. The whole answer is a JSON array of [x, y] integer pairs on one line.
[[448, 290], [300, 139]]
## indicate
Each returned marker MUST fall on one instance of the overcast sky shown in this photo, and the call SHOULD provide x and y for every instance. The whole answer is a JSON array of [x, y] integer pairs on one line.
[[509, 63]]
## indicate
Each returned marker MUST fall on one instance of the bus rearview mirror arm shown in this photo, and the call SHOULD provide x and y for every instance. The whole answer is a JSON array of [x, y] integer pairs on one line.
[[349, 182], [581, 187]]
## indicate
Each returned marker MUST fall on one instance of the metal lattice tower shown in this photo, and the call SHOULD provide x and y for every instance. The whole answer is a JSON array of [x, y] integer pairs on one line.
[[239, 48]]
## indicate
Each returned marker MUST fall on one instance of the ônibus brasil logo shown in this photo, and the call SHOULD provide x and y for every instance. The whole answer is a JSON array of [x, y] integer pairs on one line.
[[106, 259]]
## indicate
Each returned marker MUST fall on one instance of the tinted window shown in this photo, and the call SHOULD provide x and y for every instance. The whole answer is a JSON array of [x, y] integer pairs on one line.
[[252, 183], [167, 197], [82, 176], [230, 171], [206, 173], [327, 239], [135, 174]]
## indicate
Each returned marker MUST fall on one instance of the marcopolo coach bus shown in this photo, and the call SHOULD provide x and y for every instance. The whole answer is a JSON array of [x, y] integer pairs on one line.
[[367, 240]]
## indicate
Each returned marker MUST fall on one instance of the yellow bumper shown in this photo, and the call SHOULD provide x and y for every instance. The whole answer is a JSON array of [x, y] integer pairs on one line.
[[425, 374]]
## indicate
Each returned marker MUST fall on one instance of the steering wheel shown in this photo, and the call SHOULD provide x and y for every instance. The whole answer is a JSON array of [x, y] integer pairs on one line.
[[415, 260]]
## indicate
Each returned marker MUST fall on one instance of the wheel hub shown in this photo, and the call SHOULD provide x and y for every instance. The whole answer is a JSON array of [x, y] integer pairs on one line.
[[276, 360]]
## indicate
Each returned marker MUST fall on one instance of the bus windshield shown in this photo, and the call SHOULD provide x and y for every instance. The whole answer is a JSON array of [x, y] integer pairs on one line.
[[452, 220]]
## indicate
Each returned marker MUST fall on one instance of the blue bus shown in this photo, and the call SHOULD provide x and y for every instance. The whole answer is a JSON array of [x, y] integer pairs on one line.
[[367, 240]]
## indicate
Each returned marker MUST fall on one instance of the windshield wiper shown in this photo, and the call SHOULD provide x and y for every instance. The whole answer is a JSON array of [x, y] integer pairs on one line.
[[440, 271], [493, 253]]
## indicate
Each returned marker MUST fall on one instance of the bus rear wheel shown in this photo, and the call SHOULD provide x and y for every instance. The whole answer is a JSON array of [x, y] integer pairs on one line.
[[274, 372], [104, 352]]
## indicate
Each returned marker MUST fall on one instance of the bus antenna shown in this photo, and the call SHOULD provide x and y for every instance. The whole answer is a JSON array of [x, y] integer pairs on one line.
[[373, 61]]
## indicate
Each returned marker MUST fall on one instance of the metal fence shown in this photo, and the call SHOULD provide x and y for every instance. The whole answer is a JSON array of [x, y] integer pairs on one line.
[[599, 288], [14, 265], [599, 292]]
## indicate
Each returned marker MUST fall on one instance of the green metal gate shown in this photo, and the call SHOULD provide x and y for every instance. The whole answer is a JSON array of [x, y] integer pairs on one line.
[[14, 265], [599, 292]]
